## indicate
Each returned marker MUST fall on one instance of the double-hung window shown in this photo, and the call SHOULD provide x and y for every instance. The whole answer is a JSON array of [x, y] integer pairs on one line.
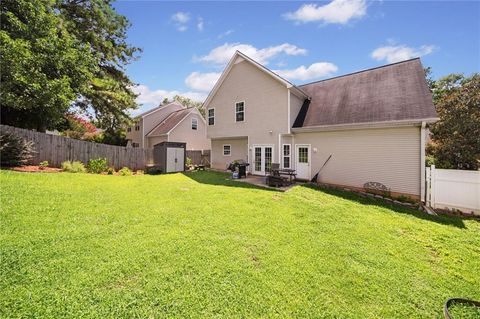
[[211, 116], [194, 123], [286, 155], [239, 111], [227, 150]]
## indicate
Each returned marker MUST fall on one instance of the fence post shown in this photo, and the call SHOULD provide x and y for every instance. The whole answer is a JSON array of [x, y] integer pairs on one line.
[[432, 186], [427, 186]]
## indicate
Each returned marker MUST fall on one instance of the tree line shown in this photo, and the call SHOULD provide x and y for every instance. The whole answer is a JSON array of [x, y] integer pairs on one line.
[[61, 57]]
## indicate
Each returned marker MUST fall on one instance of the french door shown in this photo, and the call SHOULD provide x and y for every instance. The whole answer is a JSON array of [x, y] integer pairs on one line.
[[262, 159]]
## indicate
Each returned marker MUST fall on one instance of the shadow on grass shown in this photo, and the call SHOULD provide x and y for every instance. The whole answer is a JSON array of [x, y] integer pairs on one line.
[[441, 219], [221, 179]]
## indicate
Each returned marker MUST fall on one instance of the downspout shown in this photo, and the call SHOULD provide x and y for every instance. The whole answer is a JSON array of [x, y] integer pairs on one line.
[[422, 161]]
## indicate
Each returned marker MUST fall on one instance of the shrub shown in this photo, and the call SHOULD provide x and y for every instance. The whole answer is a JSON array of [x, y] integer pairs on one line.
[[43, 164], [189, 162], [110, 171], [14, 150], [97, 166], [153, 170], [73, 167], [125, 171]]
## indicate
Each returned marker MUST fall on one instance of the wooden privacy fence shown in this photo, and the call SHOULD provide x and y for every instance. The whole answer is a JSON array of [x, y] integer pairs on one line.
[[199, 157], [57, 149]]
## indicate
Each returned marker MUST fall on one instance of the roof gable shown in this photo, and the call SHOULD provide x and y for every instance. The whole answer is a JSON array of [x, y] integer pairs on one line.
[[240, 57], [159, 108], [172, 121], [395, 92]]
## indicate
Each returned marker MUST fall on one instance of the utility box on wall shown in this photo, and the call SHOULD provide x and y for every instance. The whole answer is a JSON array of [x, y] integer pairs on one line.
[[170, 157]]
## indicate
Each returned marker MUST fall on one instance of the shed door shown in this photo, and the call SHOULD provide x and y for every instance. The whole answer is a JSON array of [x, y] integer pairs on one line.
[[179, 163], [175, 159]]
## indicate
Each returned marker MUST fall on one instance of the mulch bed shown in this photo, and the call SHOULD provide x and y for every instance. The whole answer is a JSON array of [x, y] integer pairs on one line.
[[36, 169]]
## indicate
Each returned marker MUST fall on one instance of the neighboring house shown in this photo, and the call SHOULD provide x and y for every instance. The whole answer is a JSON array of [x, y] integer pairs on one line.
[[371, 122], [169, 123]]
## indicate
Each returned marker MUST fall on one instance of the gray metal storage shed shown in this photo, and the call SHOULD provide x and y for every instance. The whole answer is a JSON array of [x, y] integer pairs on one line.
[[170, 157]]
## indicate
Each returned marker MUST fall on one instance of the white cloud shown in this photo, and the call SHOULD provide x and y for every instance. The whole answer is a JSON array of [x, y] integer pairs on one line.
[[181, 19], [396, 53], [316, 70], [200, 24], [148, 98], [222, 54], [202, 81], [225, 34], [337, 11]]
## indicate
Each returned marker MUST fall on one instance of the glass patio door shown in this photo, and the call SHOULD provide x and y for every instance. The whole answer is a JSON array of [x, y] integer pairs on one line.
[[262, 159]]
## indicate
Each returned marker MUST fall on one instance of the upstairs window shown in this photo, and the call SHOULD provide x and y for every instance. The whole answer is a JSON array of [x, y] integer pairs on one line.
[[194, 123], [227, 150], [211, 116], [239, 111], [129, 129], [137, 126]]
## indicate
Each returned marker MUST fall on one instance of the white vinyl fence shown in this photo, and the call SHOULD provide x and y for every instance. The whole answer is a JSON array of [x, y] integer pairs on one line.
[[453, 189]]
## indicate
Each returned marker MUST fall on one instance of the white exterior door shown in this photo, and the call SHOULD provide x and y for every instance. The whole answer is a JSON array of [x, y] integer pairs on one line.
[[175, 159], [180, 156], [302, 156], [262, 159]]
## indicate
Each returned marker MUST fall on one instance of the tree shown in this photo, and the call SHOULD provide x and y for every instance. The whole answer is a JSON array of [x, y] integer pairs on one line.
[[456, 136], [190, 103], [62, 54], [96, 23], [43, 67]]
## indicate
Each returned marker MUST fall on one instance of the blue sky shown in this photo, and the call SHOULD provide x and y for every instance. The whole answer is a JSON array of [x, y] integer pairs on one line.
[[187, 44]]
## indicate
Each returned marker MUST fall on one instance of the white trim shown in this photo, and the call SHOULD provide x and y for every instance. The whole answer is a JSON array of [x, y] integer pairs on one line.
[[353, 126], [309, 158], [289, 155], [223, 149], [196, 124], [279, 148], [256, 64], [143, 133], [422, 161], [261, 154], [235, 112], [208, 116], [289, 128]]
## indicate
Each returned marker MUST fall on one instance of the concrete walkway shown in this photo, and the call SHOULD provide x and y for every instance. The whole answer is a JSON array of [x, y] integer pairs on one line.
[[261, 181]]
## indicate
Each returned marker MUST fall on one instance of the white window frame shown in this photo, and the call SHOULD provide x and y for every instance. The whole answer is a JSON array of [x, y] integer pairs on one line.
[[213, 117], [194, 120], [229, 151], [289, 156], [235, 112]]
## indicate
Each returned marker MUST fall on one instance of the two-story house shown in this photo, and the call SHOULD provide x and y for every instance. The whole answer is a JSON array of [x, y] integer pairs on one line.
[[169, 123], [367, 126]]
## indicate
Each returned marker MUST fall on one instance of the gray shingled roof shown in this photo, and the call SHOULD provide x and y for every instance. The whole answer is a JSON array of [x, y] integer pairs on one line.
[[169, 122], [389, 93]]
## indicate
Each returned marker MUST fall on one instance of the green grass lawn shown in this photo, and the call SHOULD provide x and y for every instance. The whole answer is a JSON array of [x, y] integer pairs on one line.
[[197, 245]]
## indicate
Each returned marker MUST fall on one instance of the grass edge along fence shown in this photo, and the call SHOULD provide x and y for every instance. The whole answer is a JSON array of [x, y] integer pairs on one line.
[[57, 149]]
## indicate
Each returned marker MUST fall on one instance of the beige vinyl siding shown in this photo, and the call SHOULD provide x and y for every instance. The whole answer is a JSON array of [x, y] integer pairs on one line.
[[239, 150], [135, 136], [195, 139], [390, 156], [153, 119], [153, 140], [266, 106]]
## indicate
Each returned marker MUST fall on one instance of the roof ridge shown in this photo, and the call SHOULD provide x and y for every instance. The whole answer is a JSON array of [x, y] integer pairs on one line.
[[361, 71], [168, 117]]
